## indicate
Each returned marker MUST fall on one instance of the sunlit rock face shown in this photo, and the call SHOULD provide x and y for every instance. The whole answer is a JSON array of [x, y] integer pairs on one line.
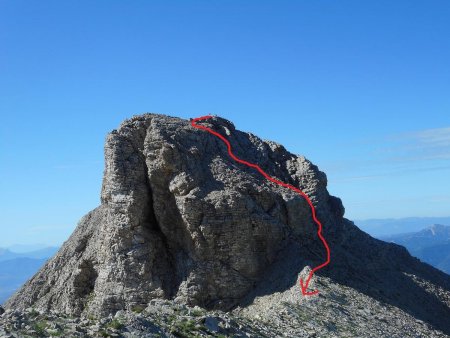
[[180, 220]]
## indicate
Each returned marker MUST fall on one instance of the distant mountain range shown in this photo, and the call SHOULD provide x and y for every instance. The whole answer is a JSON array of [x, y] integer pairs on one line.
[[17, 267], [8, 254], [431, 245], [391, 226], [24, 248]]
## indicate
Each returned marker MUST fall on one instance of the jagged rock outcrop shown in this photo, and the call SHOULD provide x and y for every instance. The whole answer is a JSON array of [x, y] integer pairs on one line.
[[180, 220]]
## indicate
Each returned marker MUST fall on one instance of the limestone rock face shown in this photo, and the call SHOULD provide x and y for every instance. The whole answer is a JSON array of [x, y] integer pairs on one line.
[[179, 219]]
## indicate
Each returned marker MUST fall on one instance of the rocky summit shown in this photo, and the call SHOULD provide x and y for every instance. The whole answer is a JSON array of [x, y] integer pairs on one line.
[[188, 242]]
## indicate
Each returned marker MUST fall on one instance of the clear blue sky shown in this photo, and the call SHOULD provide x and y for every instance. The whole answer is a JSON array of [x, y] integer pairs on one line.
[[361, 88]]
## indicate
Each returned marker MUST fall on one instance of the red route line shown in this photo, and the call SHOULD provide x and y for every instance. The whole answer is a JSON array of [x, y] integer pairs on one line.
[[304, 286]]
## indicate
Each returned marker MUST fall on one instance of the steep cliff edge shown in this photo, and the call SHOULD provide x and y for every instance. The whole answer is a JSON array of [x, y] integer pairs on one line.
[[180, 220]]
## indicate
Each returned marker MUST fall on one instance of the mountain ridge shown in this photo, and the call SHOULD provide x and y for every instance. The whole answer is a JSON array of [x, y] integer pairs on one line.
[[8, 254], [380, 227]]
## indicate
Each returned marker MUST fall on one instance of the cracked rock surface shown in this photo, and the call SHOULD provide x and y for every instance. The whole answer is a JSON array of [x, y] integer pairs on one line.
[[181, 221]]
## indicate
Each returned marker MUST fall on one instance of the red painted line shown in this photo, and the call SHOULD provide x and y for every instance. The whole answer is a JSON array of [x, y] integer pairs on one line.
[[303, 286]]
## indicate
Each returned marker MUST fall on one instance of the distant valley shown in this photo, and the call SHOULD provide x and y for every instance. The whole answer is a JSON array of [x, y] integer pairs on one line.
[[17, 267], [430, 245]]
